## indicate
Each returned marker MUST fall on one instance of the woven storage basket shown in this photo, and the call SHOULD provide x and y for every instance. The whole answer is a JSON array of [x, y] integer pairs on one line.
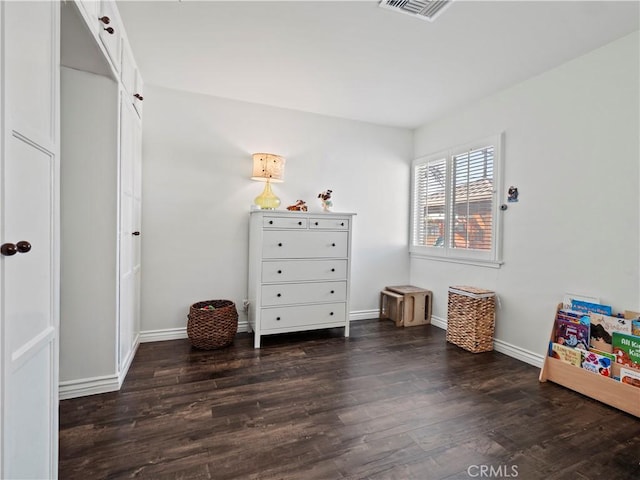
[[471, 318], [209, 329]]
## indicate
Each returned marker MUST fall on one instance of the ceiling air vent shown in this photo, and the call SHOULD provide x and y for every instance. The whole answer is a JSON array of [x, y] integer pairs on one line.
[[424, 9]]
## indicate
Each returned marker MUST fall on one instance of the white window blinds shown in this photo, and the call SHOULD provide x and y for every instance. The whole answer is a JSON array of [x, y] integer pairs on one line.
[[454, 203]]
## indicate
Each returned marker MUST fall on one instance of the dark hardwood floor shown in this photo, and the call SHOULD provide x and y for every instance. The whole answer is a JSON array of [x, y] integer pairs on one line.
[[387, 403]]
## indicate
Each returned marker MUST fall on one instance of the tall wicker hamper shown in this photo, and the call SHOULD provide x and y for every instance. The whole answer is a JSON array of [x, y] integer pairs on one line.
[[471, 318], [209, 329]]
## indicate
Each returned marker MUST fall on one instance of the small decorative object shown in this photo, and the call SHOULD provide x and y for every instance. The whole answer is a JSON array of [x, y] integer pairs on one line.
[[512, 194], [325, 198], [299, 206], [268, 168]]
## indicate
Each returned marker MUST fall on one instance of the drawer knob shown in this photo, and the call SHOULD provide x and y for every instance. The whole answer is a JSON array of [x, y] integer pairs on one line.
[[279, 244], [316, 223], [299, 223], [109, 30], [279, 271], [342, 224], [333, 291], [330, 313], [333, 269], [270, 222], [279, 295], [333, 244], [278, 319]]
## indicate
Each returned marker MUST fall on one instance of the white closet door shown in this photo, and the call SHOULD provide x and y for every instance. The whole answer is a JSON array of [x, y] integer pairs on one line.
[[29, 212], [129, 232]]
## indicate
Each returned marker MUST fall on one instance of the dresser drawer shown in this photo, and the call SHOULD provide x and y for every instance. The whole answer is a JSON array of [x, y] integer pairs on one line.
[[305, 316], [285, 222], [296, 270], [292, 293], [320, 223], [304, 244]]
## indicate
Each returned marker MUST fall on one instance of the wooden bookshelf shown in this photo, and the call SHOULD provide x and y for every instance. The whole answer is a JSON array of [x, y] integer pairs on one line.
[[606, 390]]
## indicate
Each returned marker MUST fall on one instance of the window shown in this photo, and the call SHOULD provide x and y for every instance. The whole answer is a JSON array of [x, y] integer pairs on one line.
[[455, 212]]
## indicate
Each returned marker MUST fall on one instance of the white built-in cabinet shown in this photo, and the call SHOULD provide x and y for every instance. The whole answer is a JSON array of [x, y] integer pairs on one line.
[[101, 98], [299, 271]]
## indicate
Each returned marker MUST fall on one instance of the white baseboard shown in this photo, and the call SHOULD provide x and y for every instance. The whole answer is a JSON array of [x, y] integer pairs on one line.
[[243, 326], [88, 386], [94, 385], [363, 315], [508, 349]]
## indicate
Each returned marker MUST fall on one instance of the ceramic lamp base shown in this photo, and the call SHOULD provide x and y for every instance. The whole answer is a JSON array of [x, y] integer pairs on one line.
[[267, 200]]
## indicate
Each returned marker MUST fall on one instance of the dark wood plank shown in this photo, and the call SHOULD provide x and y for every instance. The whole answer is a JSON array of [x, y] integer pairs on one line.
[[386, 403]]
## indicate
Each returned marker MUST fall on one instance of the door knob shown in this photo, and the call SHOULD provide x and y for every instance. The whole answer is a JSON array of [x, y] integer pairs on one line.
[[106, 20], [136, 233], [139, 97], [110, 30], [23, 246], [9, 249]]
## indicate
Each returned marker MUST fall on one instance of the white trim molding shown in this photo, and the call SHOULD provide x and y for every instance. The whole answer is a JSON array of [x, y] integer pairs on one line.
[[88, 386], [501, 346], [243, 326]]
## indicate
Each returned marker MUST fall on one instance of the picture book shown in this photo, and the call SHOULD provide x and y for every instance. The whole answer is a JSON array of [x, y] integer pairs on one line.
[[571, 334], [600, 364], [630, 377], [610, 356], [626, 349], [566, 354], [635, 328], [573, 316], [570, 297], [589, 307], [602, 329]]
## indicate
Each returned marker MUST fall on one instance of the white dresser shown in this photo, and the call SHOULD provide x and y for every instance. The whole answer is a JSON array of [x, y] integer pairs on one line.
[[299, 270]]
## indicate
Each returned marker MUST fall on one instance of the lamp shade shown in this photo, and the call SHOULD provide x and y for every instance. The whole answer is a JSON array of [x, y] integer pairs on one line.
[[267, 166]]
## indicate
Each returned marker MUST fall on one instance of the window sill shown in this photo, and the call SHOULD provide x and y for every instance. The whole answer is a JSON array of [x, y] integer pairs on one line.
[[466, 261]]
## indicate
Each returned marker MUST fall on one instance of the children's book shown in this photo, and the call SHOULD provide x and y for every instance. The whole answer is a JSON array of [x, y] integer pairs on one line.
[[589, 307], [569, 297], [602, 329], [610, 356], [566, 354], [600, 364], [571, 334], [630, 376], [626, 349], [573, 316]]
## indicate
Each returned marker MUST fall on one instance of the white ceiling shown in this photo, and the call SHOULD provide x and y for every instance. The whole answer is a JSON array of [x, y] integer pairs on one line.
[[354, 60]]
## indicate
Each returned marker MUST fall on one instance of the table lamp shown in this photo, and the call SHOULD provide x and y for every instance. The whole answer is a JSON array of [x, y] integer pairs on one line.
[[268, 168]]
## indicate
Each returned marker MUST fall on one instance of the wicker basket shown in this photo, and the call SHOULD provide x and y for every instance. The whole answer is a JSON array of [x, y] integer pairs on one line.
[[471, 318], [209, 329]]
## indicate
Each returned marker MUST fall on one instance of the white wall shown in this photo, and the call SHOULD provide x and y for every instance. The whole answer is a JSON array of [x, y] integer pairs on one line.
[[88, 204], [197, 194], [572, 149]]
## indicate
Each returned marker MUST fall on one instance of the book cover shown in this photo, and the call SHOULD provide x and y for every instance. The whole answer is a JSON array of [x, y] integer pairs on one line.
[[602, 329], [570, 297], [609, 355], [573, 315], [566, 354], [626, 349], [571, 334], [630, 377], [589, 307], [600, 364]]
